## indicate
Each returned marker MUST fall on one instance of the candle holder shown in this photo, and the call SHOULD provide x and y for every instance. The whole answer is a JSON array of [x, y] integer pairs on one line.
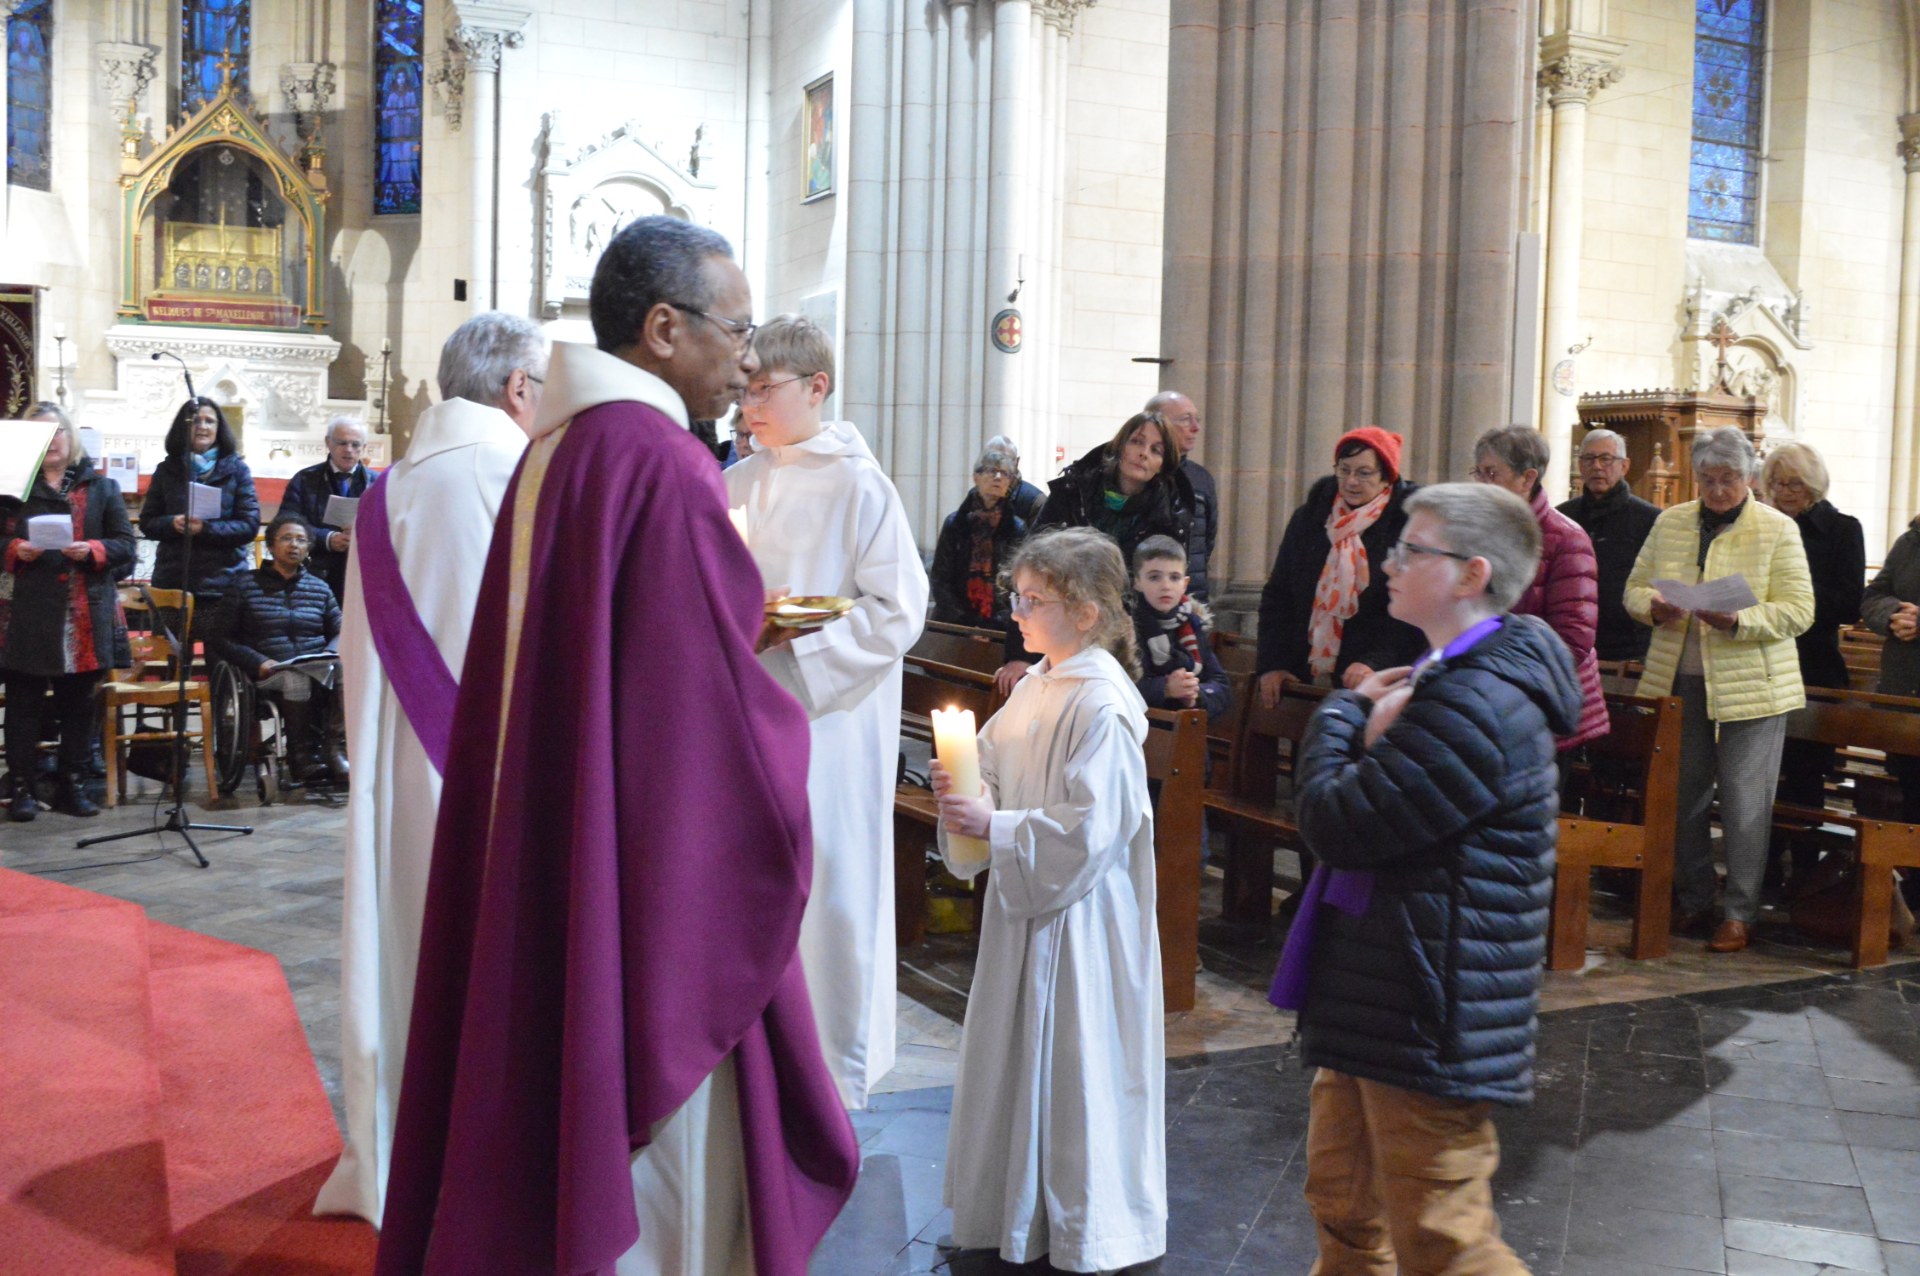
[[60, 366], [386, 358]]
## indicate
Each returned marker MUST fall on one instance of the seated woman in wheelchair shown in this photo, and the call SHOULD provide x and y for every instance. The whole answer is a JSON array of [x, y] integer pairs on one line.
[[272, 616]]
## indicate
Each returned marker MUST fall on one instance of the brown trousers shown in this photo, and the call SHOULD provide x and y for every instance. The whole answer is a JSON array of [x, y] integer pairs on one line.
[[1399, 1183]]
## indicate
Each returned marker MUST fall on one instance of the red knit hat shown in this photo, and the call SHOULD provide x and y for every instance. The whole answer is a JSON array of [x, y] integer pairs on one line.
[[1385, 444]]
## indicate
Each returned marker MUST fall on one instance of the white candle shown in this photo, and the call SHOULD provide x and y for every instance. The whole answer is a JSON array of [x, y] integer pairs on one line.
[[739, 520], [956, 743]]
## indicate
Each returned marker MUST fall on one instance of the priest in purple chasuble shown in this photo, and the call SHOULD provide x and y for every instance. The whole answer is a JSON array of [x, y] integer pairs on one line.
[[612, 1065]]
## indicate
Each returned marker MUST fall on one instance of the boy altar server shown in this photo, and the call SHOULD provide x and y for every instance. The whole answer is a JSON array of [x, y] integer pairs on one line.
[[822, 518]]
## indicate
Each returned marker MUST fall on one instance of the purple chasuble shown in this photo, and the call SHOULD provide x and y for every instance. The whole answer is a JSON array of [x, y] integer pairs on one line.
[[1348, 890], [414, 667], [605, 921]]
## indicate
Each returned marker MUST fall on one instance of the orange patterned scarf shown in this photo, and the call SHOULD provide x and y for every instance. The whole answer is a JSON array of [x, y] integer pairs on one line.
[[1342, 580]]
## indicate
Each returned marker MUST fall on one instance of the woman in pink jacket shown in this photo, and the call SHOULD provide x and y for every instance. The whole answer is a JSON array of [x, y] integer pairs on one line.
[[1566, 590]]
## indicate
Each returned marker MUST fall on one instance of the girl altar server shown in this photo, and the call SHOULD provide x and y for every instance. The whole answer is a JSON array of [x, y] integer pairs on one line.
[[1057, 1145], [821, 517]]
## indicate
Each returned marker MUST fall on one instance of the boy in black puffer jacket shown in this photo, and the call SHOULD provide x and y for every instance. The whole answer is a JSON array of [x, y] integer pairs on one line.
[[1429, 795], [1178, 667]]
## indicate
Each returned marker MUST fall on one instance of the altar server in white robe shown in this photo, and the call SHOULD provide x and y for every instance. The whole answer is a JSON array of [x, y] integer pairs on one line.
[[1057, 1145], [440, 503], [821, 517]]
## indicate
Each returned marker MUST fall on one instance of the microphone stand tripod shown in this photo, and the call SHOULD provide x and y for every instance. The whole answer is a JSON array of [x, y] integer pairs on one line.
[[178, 819]]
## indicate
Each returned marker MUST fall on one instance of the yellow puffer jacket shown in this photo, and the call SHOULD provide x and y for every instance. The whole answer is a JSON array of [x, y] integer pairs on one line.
[[1754, 671]]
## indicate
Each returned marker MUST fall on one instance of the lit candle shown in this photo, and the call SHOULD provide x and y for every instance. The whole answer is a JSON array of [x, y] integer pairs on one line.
[[739, 520], [956, 742]]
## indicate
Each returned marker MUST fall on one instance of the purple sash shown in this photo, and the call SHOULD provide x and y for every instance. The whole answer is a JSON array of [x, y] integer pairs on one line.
[[419, 676]]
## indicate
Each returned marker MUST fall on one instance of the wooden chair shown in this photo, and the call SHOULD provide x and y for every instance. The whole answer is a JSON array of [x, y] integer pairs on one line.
[[1631, 795], [148, 684], [1245, 806]]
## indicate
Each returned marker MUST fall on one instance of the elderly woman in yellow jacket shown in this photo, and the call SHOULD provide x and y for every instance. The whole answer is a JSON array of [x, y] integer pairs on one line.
[[1737, 672]]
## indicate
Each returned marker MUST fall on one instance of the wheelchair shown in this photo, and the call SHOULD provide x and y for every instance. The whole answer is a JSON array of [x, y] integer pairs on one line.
[[249, 735]]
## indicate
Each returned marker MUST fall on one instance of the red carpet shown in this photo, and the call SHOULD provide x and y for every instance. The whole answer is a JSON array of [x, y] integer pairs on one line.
[[160, 1105]]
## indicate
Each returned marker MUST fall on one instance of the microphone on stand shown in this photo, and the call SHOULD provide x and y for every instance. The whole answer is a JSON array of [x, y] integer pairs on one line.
[[184, 370]]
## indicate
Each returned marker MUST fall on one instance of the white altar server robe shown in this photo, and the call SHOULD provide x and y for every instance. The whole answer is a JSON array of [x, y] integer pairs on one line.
[[441, 503], [822, 518], [1058, 1140]]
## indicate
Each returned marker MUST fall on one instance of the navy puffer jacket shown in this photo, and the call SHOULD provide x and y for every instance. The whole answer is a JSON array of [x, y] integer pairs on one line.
[[1433, 988], [265, 616]]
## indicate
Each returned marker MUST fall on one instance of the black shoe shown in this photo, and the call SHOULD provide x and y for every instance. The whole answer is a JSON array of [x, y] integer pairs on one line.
[[72, 798], [337, 770], [22, 806]]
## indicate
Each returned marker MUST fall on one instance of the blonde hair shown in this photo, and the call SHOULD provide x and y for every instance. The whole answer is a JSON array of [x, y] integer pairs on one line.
[[796, 344], [76, 450], [1086, 567], [1800, 459]]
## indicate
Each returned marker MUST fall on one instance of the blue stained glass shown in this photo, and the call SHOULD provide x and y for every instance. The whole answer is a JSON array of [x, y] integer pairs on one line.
[[30, 95], [1729, 102], [399, 32], [209, 31]]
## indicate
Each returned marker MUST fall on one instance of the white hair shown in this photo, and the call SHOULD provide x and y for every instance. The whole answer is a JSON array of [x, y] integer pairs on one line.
[[486, 350], [344, 419], [1604, 436], [1727, 446]]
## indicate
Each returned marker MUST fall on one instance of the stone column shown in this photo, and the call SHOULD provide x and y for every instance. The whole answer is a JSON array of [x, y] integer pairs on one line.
[[1007, 198], [864, 173], [914, 316], [478, 35], [1906, 369], [1573, 69], [959, 386]]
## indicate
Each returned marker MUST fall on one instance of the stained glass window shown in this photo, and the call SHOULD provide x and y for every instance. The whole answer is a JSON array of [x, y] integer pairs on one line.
[[399, 31], [1729, 97], [30, 94], [210, 31]]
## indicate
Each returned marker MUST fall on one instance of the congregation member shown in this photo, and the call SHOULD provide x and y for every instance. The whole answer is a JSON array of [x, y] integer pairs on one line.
[[1204, 528], [1794, 478], [1323, 612], [1891, 608], [200, 448], [975, 544], [272, 615], [1737, 674], [1057, 1147], [60, 625], [1171, 629], [410, 588], [1565, 589], [1130, 487], [1429, 795], [344, 473], [822, 518], [1027, 498], [1617, 522]]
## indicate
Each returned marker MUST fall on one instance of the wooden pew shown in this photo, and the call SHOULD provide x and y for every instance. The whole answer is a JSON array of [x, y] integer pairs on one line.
[[983, 650], [1631, 795], [1245, 806], [1890, 725], [1237, 652], [1176, 759], [1860, 648]]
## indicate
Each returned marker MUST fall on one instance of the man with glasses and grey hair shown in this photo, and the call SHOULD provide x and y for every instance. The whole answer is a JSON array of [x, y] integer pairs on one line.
[[430, 533], [1203, 532], [343, 473], [1617, 522]]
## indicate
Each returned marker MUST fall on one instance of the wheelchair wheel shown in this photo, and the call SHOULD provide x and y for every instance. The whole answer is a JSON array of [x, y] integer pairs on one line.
[[267, 780], [232, 726]]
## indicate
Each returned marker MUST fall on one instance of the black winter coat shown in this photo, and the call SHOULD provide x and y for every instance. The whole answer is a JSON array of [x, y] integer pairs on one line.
[[1216, 692], [1895, 583], [953, 551], [1434, 987], [220, 549], [1837, 560], [58, 616], [265, 616], [1204, 532], [1617, 524], [1027, 501], [1370, 637], [306, 499]]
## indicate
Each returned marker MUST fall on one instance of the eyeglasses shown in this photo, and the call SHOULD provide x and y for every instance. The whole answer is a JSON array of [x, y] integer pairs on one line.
[[739, 329], [1721, 482], [1024, 604], [1788, 485], [1490, 474], [760, 394], [1398, 551], [1362, 475], [1599, 458], [351, 445]]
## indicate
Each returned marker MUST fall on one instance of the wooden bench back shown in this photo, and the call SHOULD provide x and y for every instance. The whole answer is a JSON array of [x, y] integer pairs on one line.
[[1634, 768], [1859, 720], [1264, 739], [1238, 652], [982, 650], [1176, 748], [930, 684]]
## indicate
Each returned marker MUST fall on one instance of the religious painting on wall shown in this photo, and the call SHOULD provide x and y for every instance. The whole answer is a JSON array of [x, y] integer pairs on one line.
[[817, 140], [16, 351]]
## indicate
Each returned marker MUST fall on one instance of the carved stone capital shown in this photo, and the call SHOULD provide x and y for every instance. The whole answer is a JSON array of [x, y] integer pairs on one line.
[[308, 88], [482, 47], [448, 80], [477, 36], [1910, 142], [126, 70], [1575, 78], [1060, 14]]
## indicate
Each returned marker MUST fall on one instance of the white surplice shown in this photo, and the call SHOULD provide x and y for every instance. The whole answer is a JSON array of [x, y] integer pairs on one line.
[[1057, 1144], [442, 499], [822, 518]]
